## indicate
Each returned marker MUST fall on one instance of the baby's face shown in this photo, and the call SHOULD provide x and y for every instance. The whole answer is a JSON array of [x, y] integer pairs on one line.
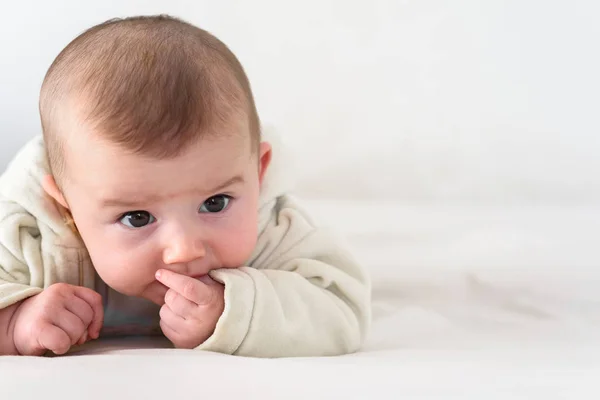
[[190, 214]]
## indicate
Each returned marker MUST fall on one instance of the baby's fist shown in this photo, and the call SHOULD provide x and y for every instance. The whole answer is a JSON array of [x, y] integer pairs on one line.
[[192, 308], [56, 319]]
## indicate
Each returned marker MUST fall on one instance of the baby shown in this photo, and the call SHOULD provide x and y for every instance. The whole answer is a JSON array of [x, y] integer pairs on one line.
[[152, 204]]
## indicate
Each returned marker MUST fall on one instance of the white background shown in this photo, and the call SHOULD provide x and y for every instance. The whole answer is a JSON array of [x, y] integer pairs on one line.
[[413, 101]]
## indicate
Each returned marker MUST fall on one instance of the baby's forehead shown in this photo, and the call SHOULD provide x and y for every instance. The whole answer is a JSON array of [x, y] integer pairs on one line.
[[223, 146], [89, 150], [107, 172]]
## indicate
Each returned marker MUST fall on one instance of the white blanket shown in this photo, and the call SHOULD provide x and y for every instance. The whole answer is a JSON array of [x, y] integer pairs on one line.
[[468, 303]]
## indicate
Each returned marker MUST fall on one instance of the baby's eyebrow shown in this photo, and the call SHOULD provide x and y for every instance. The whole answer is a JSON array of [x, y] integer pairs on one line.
[[137, 201], [229, 182]]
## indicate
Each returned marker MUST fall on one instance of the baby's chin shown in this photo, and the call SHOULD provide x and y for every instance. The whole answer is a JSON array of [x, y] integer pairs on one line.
[[155, 292]]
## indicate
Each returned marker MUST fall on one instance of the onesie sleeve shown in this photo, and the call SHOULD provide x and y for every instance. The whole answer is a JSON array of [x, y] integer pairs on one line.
[[304, 294], [21, 272], [37, 248]]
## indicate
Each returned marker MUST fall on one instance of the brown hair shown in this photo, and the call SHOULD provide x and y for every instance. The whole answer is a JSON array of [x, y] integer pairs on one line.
[[150, 84]]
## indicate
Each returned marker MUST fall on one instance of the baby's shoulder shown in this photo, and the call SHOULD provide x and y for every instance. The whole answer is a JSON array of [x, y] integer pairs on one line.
[[28, 166], [22, 193]]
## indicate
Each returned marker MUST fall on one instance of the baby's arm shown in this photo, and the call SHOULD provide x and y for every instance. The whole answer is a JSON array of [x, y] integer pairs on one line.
[[7, 345], [20, 259], [34, 319], [33, 311], [306, 296]]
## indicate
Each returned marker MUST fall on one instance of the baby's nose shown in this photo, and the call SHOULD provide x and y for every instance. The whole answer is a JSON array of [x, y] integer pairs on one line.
[[183, 250]]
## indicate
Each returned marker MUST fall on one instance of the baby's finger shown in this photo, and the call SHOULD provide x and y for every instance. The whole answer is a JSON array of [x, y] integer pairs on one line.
[[169, 332], [179, 305], [80, 308], [71, 324], [95, 301], [190, 288], [54, 339], [173, 321], [84, 338]]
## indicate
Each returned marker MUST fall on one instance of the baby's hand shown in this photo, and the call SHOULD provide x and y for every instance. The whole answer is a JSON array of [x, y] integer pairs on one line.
[[56, 319], [192, 308]]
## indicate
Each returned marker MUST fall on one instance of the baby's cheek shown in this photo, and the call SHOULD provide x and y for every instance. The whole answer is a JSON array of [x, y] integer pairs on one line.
[[238, 251], [238, 246], [120, 271]]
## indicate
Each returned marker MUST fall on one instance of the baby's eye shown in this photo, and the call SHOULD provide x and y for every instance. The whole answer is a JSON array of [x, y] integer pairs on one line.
[[215, 204], [137, 219]]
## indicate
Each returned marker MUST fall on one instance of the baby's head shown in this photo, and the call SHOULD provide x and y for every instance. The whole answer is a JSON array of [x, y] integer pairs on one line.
[[154, 145]]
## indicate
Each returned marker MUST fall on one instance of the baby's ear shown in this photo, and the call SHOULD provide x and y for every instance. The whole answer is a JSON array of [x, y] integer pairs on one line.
[[265, 153], [51, 188]]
